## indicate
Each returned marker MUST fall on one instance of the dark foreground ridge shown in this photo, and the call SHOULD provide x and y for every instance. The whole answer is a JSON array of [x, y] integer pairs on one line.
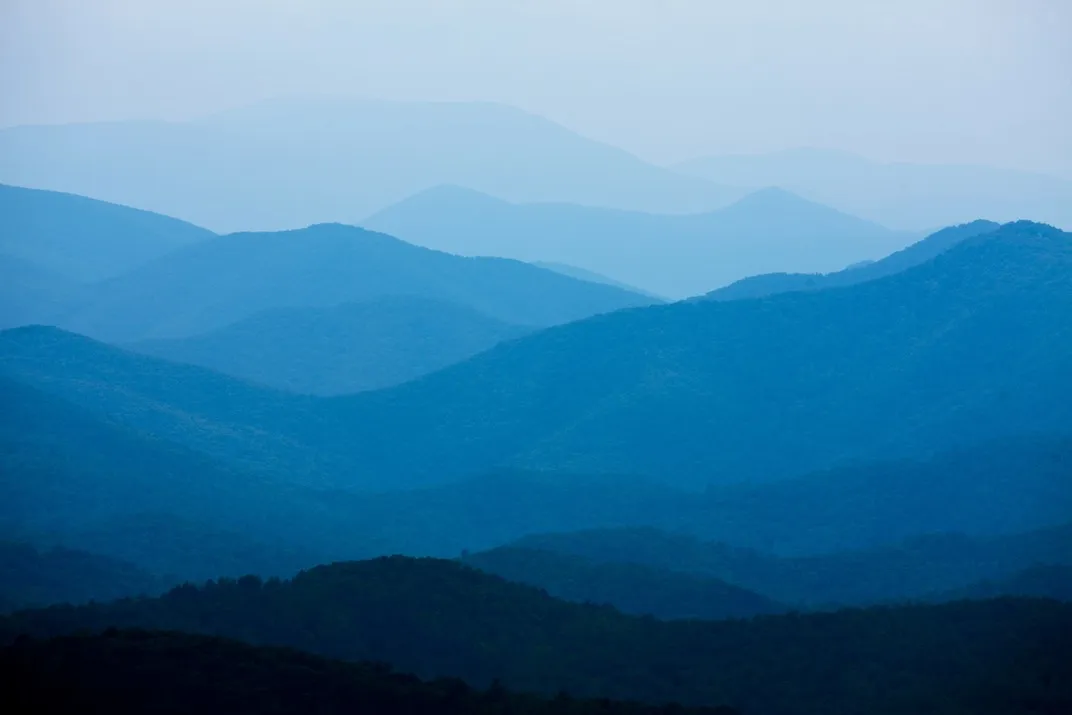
[[442, 619], [157, 672]]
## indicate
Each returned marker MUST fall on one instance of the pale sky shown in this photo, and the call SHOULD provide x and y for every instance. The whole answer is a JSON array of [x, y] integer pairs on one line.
[[973, 81]]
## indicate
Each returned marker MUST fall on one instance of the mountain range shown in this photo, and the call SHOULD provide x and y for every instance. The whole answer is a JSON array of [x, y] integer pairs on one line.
[[897, 194], [442, 619], [672, 255], [968, 347], [215, 283], [917, 568], [289, 163]]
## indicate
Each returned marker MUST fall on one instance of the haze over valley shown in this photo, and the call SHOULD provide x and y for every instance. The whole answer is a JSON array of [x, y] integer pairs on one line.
[[349, 363]]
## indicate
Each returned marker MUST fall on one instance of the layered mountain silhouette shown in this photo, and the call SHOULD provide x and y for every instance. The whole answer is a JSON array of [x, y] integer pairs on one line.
[[968, 347], [285, 164], [630, 587], [110, 474], [31, 577], [902, 195], [85, 240], [676, 256], [914, 569], [341, 349], [438, 618], [227, 279], [773, 283]]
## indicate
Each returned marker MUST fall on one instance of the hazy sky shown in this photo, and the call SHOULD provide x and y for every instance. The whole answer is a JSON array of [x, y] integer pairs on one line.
[[982, 81]]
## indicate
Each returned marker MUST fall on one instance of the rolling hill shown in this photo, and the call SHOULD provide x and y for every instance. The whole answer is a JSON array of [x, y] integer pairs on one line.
[[629, 587], [82, 239], [340, 349], [437, 618], [672, 255], [290, 163], [222, 281], [969, 347], [29, 577], [902, 195], [773, 283], [913, 569]]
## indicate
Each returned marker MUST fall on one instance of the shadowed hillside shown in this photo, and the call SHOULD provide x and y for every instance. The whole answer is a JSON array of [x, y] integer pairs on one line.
[[438, 618], [135, 672]]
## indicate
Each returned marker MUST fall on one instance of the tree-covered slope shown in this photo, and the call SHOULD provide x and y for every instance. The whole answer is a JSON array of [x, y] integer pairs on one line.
[[340, 349], [438, 618], [83, 239], [760, 286], [219, 282]]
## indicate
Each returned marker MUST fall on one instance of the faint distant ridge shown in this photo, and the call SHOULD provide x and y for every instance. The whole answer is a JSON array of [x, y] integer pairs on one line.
[[287, 163], [920, 252], [592, 277], [897, 194], [678, 256], [215, 283], [83, 239]]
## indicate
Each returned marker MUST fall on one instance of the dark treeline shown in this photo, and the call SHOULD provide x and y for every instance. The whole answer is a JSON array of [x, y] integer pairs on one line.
[[139, 672], [442, 619]]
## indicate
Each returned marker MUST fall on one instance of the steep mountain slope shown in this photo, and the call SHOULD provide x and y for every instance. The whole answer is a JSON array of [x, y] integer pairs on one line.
[[772, 283], [219, 282], [910, 196], [672, 255], [629, 587], [914, 569], [83, 239], [284, 164], [29, 577], [340, 349], [31, 294], [437, 618], [972, 346]]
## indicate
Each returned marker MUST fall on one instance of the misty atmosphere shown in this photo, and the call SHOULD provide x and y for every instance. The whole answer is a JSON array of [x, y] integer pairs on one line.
[[562, 357]]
